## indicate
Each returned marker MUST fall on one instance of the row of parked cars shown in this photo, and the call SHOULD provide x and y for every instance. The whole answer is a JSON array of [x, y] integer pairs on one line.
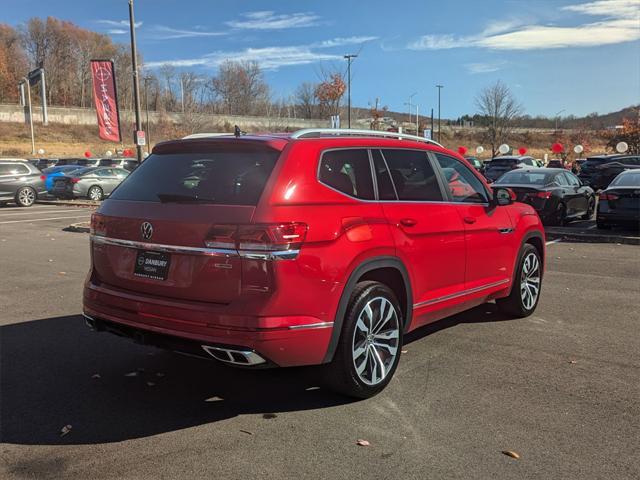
[[23, 181], [560, 196]]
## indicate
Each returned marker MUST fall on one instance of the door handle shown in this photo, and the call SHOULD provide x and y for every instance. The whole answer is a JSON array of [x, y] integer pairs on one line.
[[469, 220], [408, 222]]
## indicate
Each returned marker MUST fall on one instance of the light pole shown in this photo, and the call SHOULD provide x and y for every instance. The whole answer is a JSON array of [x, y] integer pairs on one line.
[[558, 117], [439, 87], [25, 81], [136, 84], [409, 104], [146, 101], [349, 58]]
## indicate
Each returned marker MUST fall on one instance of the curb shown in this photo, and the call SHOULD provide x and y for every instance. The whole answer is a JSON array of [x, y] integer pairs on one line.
[[592, 237], [77, 203], [82, 227]]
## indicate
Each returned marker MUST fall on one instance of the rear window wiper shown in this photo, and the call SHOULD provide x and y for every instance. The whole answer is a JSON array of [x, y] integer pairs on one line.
[[179, 198]]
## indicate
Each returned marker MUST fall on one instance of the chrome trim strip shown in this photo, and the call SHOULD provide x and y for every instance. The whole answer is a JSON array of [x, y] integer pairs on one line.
[[312, 325], [209, 252], [460, 294], [338, 132]]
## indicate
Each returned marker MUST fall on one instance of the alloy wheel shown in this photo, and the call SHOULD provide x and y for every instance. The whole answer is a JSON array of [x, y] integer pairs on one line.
[[95, 194], [27, 196], [376, 339], [530, 280]]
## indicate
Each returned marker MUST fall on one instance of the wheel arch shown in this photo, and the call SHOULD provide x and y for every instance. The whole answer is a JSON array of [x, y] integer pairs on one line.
[[386, 269], [535, 239]]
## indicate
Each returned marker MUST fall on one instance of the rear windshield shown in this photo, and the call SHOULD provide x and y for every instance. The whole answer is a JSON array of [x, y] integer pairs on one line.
[[627, 180], [502, 162], [223, 176], [525, 178]]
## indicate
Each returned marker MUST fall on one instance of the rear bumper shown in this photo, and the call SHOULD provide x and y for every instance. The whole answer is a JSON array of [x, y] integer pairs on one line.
[[281, 341], [626, 218]]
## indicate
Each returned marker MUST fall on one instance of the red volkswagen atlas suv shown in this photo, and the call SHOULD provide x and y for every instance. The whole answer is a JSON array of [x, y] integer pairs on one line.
[[317, 247]]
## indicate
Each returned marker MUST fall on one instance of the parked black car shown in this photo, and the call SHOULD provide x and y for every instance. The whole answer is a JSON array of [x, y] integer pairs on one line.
[[128, 164], [619, 204], [605, 173], [476, 163], [556, 194], [42, 163], [20, 182], [589, 170], [500, 165]]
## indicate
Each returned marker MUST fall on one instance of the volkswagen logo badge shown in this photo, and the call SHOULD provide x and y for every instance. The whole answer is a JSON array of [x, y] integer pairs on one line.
[[146, 229]]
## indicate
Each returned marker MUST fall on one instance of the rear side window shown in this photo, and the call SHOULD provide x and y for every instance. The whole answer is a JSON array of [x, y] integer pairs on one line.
[[463, 185], [13, 169], [413, 176], [348, 171], [627, 180], [223, 176]]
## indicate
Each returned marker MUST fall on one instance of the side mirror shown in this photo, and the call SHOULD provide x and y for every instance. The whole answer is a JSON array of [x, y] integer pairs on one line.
[[503, 196]]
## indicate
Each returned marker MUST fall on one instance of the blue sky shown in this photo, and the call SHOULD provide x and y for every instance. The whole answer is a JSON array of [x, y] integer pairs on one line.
[[579, 56]]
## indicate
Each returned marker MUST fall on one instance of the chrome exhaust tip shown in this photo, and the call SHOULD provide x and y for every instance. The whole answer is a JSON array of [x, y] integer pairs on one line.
[[234, 357]]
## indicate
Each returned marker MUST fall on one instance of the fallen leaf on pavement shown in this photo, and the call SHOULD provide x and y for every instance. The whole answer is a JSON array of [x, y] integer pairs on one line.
[[363, 443], [159, 374], [131, 374], [512, 454], [62, 273], [151, 384], [66, 429], [247, 432], [403, 351], [95, 375], [573, 361], [310, 389]]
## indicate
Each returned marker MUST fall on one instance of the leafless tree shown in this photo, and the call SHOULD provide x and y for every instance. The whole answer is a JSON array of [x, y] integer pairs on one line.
[[305, 98], [497, 104], [241, 87]]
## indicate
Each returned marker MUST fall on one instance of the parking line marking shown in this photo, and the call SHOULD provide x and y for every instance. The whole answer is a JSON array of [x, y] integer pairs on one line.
[[2, 214], [43, 219], [551, 242]]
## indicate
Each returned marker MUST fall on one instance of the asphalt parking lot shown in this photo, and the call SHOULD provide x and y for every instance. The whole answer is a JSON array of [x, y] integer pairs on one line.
[[560, 388]]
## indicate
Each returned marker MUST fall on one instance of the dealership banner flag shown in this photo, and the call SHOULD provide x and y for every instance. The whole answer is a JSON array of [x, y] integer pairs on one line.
[[105, 99]]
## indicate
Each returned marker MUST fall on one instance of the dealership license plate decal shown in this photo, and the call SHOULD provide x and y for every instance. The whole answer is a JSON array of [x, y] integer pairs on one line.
[[152, 265]]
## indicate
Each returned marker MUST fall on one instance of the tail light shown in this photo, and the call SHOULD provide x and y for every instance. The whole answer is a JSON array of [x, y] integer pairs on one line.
[[75, 180], [608, 196], [97, 226], [263, 238], [544, 195], [43, 177]]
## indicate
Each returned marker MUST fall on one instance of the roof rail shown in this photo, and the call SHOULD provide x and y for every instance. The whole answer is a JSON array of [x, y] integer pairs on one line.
[[340, 132]]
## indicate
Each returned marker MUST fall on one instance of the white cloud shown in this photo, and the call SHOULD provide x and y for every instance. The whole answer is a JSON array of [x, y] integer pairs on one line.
[[161, 32], [268, 20], [343, 41], [269, 58], [621, 24], [118, 23], [117, 31], [488, 67]]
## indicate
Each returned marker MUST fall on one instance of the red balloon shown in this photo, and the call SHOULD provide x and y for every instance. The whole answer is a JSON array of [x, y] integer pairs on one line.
[[557, 147], [462, 150], [87, 154], [522, 150]]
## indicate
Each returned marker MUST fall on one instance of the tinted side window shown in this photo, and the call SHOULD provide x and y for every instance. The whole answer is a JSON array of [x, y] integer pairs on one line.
[[463, 185], [572, 179], [348, 171], [561, 180], [13, 169], [413, 176], [386, 190]]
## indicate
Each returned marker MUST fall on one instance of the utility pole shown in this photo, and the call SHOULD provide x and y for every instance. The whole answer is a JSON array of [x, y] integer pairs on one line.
[[136, 84], [432, 123], [417, 121], [146, 101], [558, 118], [349, 58], [409, 104], [439, 87]]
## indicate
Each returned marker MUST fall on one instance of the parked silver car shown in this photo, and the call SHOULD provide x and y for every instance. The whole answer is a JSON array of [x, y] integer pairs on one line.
[[93, 183]]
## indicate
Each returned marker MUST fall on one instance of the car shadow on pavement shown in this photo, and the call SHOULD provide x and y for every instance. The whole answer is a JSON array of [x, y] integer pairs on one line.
[[55, 372]]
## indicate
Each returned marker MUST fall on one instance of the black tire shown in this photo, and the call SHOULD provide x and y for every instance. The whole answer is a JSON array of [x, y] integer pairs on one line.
[[95, 193], [341, 374], [26, 196], [515, 304], [590, 209], [559, 217]]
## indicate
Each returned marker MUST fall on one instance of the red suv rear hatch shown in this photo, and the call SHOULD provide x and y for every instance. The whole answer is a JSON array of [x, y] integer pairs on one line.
[[151, 235]]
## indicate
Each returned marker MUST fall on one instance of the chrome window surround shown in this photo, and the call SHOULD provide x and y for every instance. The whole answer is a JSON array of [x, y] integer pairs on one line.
[[209, 252]]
